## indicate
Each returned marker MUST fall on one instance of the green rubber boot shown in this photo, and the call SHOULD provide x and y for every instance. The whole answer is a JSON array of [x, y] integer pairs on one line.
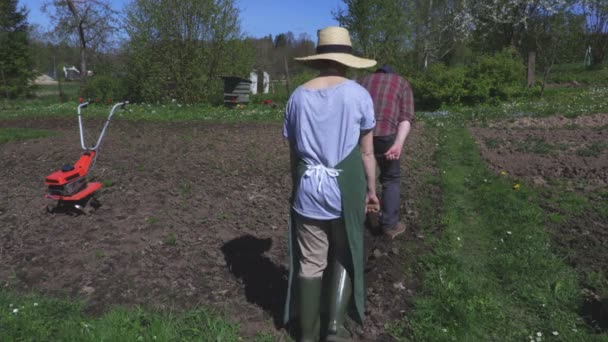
[[340, 291], [309, 305]]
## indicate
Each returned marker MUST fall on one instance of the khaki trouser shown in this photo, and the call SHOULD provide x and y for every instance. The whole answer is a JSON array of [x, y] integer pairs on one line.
[[314, 238]]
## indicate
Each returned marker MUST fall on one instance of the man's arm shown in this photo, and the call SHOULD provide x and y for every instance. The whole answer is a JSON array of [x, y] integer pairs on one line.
[[394, 152], [406, 117]]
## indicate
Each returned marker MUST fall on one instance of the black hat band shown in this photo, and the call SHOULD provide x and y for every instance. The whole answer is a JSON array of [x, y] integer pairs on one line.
[[334, 49]]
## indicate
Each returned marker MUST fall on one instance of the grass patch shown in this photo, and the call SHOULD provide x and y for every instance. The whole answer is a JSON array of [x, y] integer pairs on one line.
[[107, 183], [534, 145], [493, 143], [492, 276], [145, 111], [593, 150], [569, 102], [151, 220], [171, 240], [11, 134], [577, 72], [581, 211], [33, 318]]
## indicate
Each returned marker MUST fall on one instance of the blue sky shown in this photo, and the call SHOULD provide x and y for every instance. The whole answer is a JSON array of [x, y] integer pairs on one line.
[[258, 17]]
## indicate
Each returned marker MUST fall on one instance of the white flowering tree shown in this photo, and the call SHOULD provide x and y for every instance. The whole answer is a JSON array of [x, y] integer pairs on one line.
[[511, 12]]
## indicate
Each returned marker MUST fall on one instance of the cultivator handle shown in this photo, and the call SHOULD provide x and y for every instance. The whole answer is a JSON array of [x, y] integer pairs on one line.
[[103, 131]]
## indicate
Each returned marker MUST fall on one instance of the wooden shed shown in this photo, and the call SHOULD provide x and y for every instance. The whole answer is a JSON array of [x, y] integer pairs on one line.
[[236, 90]]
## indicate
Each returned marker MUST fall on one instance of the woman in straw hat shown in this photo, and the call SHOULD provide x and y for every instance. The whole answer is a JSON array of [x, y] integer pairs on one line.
[[329, 122]]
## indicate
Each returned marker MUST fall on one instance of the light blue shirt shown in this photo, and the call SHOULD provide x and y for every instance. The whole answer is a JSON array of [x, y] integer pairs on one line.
[[324, 126]]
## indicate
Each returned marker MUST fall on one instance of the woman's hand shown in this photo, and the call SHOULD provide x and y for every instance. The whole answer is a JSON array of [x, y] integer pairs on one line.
[[372, 204]]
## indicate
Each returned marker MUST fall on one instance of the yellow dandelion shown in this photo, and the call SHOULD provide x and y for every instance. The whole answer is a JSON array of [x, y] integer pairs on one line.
[[503, 173], [516, 186]]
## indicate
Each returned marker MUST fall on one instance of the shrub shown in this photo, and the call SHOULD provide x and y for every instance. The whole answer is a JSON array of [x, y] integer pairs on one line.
[[440, 85], [490, 78], [495, 78], [105, 88]]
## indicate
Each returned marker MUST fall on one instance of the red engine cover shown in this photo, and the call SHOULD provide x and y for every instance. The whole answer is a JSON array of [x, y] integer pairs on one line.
[[80, 169]]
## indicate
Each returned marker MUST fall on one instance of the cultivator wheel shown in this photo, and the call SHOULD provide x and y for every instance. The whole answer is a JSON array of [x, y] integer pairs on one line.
[[89, 207], [86, 206], [52, 207]]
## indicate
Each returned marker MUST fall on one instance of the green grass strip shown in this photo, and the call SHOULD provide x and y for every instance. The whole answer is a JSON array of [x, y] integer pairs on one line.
[[32, 318], [20, 109], [492, 276], [10, 134]]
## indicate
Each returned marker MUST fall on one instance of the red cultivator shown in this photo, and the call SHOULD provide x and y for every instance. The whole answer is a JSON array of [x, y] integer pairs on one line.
[[68, 187]]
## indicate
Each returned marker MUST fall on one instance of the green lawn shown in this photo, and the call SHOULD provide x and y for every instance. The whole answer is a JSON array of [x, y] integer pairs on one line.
[[577, 72], [33, 318]]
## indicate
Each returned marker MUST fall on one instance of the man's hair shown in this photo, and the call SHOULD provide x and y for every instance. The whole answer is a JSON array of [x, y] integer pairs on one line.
[[386, 69]]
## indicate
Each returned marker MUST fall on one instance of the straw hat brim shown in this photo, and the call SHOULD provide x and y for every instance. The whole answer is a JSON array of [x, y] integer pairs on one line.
[[343, 58]]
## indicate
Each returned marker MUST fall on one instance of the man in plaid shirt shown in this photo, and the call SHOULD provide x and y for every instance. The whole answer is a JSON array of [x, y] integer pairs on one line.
[[394, 110]]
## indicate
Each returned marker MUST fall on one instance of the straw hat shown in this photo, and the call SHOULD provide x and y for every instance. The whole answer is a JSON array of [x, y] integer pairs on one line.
[[334, 44]]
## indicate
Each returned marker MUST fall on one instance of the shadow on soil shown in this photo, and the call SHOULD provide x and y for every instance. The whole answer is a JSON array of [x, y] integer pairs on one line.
[[265, 282]]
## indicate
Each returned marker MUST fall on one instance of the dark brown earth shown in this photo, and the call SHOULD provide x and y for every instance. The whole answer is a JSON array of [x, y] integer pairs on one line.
[[192, 214], [539, 150], [560, 156]]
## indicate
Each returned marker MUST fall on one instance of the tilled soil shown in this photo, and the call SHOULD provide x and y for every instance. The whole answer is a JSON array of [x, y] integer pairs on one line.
[[539, 150], [191, 214]]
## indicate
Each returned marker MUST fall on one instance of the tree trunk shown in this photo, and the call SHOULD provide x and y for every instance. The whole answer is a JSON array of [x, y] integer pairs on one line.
[[83, 42], [5, 85], [60, 88], [287, 75], [427, 35], [531, 68]]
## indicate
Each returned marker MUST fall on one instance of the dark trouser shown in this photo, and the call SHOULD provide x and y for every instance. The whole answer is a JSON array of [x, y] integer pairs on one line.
[[390, 174]]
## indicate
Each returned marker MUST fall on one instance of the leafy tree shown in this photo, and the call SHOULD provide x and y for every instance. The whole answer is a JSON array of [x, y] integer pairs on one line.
[[500, 24], [394, 31], [380, 29], [558, 39], [179, 48], [15, 60], [91, 23]]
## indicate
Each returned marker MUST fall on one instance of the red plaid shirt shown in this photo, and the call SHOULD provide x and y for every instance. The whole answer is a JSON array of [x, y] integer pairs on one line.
[[393, 101]]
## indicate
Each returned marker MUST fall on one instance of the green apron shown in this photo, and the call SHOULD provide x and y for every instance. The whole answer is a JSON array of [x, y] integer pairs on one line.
[[353, 187]]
